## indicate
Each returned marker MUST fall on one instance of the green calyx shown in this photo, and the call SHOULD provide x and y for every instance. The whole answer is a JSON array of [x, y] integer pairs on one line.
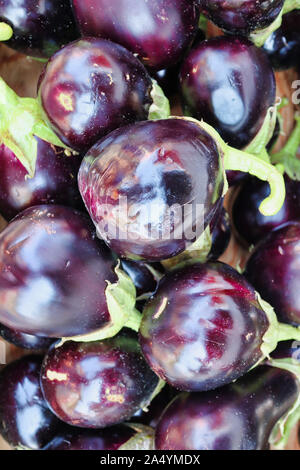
[[282, 430], [121, 299], [276, 332], [6, 31], [21, 120], [259, 37], [286, 159], [160, 107], [239, 160], [143, 439], [196, 253], [258, 145]]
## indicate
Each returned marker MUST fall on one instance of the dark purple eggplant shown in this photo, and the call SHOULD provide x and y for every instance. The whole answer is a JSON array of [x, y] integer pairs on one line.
[[220, 82], [54, 180], [205, 327], [54, 273], [37, 28], [97, 384], [152, 188], [92, 87], [157, 31], [240, 416], [273, 269], [25, 419]]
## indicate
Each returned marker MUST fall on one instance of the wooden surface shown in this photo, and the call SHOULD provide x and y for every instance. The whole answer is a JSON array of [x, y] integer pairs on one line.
[[22, 73]]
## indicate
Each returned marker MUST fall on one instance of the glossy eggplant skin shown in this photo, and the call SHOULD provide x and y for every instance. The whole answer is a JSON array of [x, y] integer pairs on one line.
[[252, 226], [240, 416], [273, 269], [152, 414], [158, 32], [143, 277], [25, 419], [97, 384], [220, 234], [242, 16], [40, 27], [73, 438], [25, 341], [283, 45], [220, 82], [91, 87], [203, 328], [131, 180], [54, 182], [287, 350], [53, 273]]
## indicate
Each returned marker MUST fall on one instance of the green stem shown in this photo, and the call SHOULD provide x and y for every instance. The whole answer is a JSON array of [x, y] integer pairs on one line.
[[241, 161], [6, 31], [291, 147], [134, 320], [287, 332], [290, 5]]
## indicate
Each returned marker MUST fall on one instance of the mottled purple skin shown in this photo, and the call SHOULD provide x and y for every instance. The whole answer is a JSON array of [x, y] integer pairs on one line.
[[92, 87], [53, 273], [156, 407], [250, 225], [220, 234], [159, 32], [54, 181], [283, 45], [144, 169], [25, 418], [287, 350], [25, 341], [220, 82], [273, 270], [97, 384], [73, 438], [203, 328], [242, 16], [40, 27], [240, 416], [140, 273]]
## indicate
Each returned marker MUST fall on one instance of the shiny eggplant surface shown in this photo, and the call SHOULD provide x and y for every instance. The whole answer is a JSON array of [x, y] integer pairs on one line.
[[240, 416], [92, 87], [203, 328], [221, 82], [53, 273], [151, 188]]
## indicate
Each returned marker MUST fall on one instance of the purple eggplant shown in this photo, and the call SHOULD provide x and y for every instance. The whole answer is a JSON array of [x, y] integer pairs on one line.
[[99, 383], [273, 269], [25, 419], [92, 87], [250, 225], [153, 187], [283, 45], [37, 28], [54, 273], [242, 16], [220, 82], [54, 180], [240, 416], [25, 341], [158, 31], [205, 327]]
